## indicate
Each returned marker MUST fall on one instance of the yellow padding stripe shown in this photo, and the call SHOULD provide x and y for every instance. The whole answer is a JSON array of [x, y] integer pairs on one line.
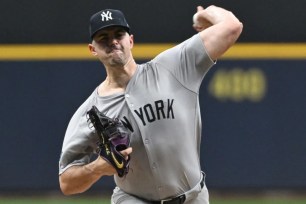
[[44, 52], [267, 51], [148, 51]]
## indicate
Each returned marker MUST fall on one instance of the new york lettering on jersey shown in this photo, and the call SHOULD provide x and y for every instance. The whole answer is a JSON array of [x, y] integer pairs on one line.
[[155, 111]]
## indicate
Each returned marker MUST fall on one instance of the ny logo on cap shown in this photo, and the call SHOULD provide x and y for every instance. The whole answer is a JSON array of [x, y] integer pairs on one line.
[[106, 16]]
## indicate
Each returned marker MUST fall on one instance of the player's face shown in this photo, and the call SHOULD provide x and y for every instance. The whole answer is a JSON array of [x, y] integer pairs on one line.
[[113, 46]]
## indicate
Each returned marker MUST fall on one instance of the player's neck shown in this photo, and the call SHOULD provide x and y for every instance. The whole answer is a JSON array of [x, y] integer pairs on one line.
[[121, 75], [117, 79]]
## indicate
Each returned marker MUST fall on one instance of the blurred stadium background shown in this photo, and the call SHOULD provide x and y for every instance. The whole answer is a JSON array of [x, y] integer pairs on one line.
[[253, 101]]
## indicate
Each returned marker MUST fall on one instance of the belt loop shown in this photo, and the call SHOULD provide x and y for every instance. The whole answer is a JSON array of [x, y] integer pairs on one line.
[[203, 179], [182, 198]]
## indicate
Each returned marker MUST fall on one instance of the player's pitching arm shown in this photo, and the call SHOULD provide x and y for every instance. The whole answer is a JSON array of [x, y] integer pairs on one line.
[[219, 29], [78, 179]]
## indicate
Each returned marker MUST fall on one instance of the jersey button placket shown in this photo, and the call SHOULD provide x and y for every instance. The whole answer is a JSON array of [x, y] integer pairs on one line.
[[127, 97], [154, 166]]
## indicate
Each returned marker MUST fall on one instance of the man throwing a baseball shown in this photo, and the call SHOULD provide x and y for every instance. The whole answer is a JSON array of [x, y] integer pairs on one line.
[[158, 105]]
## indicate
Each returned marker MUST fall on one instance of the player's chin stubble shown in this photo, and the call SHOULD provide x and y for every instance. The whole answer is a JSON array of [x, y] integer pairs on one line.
[[118, 59]]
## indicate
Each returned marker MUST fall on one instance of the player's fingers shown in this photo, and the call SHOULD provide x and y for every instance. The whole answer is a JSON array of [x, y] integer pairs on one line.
[[197, 28], [126, 152], [200, 8]]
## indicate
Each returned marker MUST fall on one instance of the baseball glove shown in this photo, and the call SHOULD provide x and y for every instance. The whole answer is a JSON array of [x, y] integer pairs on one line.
[[113, 138]]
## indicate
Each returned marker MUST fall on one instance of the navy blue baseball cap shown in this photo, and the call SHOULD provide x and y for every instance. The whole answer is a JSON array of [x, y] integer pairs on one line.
[[107, 18]]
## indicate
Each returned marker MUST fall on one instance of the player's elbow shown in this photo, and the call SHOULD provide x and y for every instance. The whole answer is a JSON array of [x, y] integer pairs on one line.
[[238, 27], [66, 187], [235, 28]]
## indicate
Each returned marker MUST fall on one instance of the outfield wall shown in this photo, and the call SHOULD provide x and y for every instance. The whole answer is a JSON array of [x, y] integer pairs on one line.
[[253, 112], [253, 101]]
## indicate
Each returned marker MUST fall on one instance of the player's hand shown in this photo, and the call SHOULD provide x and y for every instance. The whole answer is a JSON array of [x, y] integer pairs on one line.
[[107, 168], [199, 21]]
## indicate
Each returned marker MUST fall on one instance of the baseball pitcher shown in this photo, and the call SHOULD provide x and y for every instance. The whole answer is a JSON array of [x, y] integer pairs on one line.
[[142, 124]]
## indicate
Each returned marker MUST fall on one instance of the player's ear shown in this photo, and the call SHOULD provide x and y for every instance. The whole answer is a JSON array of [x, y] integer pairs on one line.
[[131, 41], [92, 49]]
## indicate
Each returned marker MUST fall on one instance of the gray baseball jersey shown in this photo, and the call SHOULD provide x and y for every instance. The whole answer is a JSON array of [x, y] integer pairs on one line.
[[161, 108]]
